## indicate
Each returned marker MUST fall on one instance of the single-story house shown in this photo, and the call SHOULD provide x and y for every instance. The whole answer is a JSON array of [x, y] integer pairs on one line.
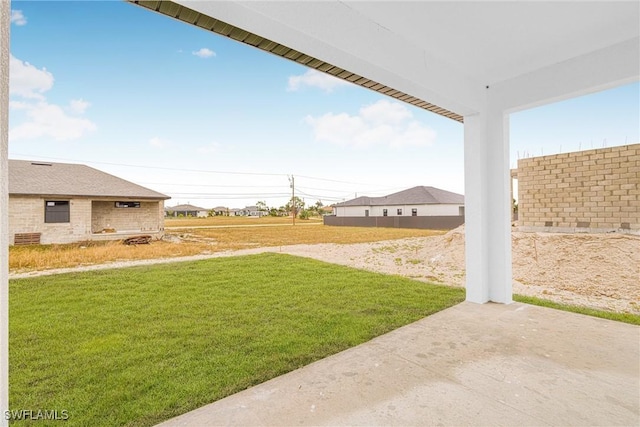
[[417, 207], [221, 211], [250, 211], [416, 201], [186, 210], [66, 203]]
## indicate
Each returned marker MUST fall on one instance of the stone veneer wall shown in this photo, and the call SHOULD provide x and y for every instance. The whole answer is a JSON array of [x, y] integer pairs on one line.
[[594, 190]]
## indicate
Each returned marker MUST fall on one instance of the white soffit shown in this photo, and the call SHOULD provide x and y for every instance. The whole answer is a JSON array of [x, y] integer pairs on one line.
[[492, 41], [437, 55], [220, 27]]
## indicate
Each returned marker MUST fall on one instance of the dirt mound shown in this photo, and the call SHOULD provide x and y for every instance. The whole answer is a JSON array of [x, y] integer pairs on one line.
[[592, 264], [596, 270]]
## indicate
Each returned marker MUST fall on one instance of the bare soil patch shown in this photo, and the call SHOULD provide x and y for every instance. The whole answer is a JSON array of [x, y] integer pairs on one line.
[[593, 270]]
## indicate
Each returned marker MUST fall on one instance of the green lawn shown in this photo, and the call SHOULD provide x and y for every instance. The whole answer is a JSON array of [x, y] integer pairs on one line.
[[631, 318], [140, 345]]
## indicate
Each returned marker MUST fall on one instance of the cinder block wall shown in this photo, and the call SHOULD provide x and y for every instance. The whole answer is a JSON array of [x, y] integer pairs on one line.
[[26, 215], [594, 190], [143, 219]]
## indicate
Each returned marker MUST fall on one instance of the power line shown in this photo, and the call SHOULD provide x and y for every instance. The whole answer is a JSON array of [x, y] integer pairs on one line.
[[210, 185], [157, 167], [219, 172], [237, 195], [230, 197]]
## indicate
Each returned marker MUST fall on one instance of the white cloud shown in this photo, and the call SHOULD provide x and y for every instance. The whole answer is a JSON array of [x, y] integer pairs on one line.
[[18, 18], [204, 53], [48, 120], [383, 123], [78, 106], [28, 81], [385, 111], [313, 78], [43, 119], [159, 143]]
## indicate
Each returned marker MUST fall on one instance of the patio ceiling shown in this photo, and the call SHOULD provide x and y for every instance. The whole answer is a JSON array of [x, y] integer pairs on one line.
[[190, 16], [438, 55]]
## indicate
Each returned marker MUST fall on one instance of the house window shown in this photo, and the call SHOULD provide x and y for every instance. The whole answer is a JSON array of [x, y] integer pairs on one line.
[[56, 211], [384, 212], [366, 212], [399, 211], [414, 211], [127, 204]]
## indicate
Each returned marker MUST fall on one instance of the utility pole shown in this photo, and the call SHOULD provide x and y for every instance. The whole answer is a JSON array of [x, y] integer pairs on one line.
[[292, 184]]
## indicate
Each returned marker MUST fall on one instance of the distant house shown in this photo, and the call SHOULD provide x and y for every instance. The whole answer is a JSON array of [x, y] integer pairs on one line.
[[251, 211], [186, 211], [417, 207], [65, 203], [221, 211]]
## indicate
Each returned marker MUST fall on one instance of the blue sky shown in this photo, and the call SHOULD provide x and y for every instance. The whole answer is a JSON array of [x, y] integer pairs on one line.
[[210, 121]]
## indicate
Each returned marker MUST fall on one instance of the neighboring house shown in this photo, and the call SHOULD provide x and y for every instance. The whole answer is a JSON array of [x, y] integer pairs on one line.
[[221, 211], [65, 203], [186, 210], [417, 207], [416, 201], [251, 211]]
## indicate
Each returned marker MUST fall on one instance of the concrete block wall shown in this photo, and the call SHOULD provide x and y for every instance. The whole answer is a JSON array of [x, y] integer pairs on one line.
[[593, 190], [26, 215], [144, 219]]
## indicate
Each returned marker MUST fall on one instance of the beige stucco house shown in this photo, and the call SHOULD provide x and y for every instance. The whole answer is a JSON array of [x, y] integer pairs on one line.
[[66, 203]]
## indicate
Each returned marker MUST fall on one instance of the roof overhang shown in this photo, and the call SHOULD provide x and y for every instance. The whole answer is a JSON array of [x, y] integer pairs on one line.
[[190, 16], [440, 56]]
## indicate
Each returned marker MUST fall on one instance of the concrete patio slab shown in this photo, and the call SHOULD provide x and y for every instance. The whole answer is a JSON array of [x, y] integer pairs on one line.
[[472, 364]]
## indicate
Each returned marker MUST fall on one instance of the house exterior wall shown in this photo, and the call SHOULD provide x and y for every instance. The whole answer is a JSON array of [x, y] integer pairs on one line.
[[26, 215], [425, 222], [392, 210], [196, 214], [594, 190], [143, 219]]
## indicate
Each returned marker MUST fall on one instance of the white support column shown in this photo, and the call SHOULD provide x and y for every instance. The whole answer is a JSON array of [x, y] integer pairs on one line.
[[487, 206], [5, 23]]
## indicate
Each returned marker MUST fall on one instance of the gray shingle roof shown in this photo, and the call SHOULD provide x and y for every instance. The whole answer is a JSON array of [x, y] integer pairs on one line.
[[67, 179], [185, 207], [413, 196]]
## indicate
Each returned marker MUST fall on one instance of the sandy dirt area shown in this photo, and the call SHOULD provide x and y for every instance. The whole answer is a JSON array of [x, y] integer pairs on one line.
[[594, 270]]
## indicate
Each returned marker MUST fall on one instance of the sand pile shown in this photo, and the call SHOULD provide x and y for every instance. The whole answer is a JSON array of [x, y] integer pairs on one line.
[[596, 270]]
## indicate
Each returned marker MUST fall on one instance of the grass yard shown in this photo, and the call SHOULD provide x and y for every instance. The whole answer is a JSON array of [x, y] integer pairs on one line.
[[633, 319], [195, 241], [140, 345]]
